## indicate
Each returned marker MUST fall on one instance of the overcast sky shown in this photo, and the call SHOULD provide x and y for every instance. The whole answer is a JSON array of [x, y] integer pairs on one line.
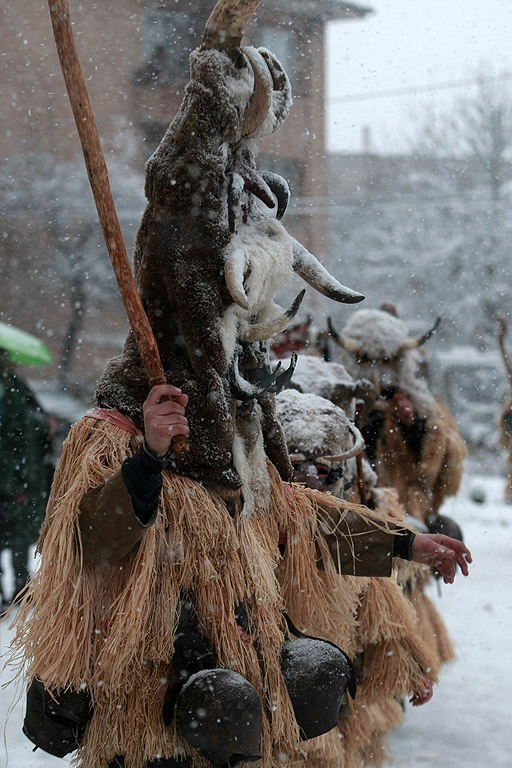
[[406, 44]]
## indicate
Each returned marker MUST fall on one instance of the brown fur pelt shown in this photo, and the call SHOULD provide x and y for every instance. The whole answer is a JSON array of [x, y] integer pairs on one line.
[[179, 260], [208, 261]]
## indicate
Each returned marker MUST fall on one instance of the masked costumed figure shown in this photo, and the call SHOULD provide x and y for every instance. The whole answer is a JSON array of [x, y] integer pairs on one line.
[[155, 631], [505, 419], [411, 439], [325, 450]]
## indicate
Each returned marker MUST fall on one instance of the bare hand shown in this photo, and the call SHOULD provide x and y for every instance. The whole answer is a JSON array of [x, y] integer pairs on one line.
[[424, 694], [164, 417], [441, 552]]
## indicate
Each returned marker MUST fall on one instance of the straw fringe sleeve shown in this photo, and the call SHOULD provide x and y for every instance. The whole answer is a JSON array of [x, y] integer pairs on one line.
[[109, 527]]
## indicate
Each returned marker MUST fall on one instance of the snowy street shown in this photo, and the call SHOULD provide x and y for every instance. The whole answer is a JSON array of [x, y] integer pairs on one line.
[[468, 723]]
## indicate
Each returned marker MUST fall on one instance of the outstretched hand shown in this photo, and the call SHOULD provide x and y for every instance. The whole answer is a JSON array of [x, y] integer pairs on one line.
[[164, 417], [441, 552]]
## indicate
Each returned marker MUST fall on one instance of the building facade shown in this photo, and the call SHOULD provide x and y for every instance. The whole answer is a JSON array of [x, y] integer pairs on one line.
[[134, 55]]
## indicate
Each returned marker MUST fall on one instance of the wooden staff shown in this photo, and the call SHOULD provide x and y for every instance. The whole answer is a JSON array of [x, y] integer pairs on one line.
[[98, 178]]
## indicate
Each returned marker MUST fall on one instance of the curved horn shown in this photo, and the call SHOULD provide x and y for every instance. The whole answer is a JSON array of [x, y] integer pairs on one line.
[[234, 269], [284, 378], [310, 269], [332, 331], [261, 99], [240, 388], [248, 178], [357, 448], [420, 340], [227, 22], [280, 94], [269, 329], [280, 189], [257, 185], [389, 307], [344, 341]]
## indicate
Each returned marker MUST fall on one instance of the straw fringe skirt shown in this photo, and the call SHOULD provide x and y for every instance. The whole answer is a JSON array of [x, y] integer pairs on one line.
[[111, 628]]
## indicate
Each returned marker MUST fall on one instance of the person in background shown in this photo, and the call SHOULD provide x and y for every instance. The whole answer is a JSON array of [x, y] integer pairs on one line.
[[505, 417], [26, 470]]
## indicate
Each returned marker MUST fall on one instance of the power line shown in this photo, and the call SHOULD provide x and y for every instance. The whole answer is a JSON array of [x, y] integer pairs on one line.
[[389, 93]]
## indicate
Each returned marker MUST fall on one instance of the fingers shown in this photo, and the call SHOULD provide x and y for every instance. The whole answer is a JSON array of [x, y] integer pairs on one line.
[[463, 556], [164, 417], [459, 546], [173, 423], [457, 551], [165, 399], [167, 407], [423, 695], [463, 565], [442, 552], [447, 570], [160, 391]]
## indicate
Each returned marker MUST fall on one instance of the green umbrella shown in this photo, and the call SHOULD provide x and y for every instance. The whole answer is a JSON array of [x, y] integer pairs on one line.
[[23, 347]]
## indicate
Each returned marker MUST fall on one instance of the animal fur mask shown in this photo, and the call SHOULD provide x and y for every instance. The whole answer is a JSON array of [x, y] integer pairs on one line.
[[377, 345], [208, 260]]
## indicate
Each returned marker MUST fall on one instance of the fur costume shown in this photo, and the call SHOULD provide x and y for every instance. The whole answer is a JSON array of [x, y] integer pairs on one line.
[[424, 471], [411, 440], [114, 624], [422, 455], [505, 427], [207, 262], [392, 658], [505, 418]]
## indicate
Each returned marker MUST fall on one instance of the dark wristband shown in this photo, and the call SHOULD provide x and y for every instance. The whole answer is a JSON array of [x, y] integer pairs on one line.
[[161, 461], [402, 544], [142, 475]]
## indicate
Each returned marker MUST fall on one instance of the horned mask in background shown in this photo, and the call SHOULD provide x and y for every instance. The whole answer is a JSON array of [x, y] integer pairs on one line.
[[208, 260], [377, 345]]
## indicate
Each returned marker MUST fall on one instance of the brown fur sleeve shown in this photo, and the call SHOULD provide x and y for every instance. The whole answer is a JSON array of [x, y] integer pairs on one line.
[[109, 527]]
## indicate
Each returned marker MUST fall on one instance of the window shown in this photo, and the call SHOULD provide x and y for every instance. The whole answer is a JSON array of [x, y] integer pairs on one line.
[[168, 40], [291, 170], [283, 44]]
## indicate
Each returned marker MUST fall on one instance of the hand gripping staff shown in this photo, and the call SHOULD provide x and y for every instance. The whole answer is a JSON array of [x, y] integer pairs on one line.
[[98, 178]]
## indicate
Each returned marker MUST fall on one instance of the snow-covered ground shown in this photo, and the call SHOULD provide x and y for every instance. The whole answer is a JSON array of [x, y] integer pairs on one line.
[[468, 723]]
